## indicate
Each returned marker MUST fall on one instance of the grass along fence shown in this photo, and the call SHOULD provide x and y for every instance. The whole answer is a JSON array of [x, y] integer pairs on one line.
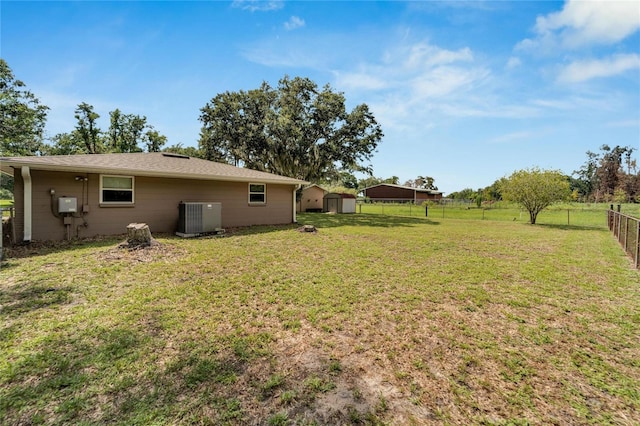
[[626, 229], [574, 214]]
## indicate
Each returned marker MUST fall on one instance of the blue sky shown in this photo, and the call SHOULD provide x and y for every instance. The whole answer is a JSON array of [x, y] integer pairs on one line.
[[466, 92]]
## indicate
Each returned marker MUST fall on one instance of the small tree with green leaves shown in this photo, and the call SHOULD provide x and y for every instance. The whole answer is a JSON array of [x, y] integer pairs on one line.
[[535, 189]]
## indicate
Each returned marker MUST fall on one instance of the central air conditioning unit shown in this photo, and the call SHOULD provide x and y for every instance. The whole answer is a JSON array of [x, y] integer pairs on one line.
[[199, 218]]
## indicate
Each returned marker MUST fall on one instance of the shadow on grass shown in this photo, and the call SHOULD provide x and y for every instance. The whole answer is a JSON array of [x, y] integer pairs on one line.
[[572, 227], [325, 220], [17, 301]]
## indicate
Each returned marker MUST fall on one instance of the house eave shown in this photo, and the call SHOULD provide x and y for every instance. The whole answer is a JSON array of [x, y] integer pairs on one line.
[[7, 166]]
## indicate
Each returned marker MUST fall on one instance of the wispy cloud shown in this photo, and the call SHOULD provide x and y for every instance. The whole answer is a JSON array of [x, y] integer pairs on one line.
[[294, 23], [580, 71], [634, 122], [513, 63], [258, 5], [513, 137], [421, 70]]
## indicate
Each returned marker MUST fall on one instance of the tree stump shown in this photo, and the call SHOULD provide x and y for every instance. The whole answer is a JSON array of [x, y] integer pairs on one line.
[[139, 235], [308, 228]]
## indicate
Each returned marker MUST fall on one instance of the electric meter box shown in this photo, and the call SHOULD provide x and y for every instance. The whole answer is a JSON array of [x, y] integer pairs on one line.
[[67, 205]]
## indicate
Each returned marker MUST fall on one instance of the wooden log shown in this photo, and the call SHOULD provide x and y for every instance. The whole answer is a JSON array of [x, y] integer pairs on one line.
[[139, 235]]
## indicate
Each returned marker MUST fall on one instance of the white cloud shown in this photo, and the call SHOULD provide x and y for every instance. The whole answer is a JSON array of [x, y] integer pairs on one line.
[[294, 23], [583, 23], [421, 70], [424, 55], [592, 22], [445, 80], [580, 71], [258, 5]]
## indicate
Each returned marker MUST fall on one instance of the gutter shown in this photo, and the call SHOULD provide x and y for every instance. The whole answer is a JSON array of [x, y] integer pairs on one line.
[[27, 202]]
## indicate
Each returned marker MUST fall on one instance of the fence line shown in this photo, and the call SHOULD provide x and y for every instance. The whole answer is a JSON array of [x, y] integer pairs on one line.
[[627, 230], [578, 216]]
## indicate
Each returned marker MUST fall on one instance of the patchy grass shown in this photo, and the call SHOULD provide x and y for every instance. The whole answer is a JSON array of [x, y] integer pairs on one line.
[[372, 320]]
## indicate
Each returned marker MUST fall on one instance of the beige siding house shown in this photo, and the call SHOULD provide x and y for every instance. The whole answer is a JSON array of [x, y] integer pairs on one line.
[[112, 190]]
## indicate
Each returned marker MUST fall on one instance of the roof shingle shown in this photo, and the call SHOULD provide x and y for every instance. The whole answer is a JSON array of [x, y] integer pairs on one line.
[[155, 164]]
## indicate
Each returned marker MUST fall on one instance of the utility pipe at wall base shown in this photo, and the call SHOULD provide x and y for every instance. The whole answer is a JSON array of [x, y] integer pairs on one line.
[[295, 190], [27, 204]]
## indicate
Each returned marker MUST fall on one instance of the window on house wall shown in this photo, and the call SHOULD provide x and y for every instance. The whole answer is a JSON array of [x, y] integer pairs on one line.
[[116, 189], [257, 193]]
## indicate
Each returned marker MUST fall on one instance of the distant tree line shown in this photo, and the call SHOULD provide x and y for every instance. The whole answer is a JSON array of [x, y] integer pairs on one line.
[[610, 175]]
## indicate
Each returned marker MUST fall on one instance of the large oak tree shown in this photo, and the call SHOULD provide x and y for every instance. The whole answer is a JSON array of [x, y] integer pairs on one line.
[[295, 130]]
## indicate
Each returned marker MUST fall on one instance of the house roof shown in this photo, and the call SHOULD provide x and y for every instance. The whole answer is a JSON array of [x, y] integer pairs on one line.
[[155, 164], [315, 185], [428, 191]]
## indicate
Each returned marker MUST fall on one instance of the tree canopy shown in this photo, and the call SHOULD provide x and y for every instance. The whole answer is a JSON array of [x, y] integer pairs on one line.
[[295, 130], [608, 175], [422, 182], [535, 189], [22, 116], [126, 133]]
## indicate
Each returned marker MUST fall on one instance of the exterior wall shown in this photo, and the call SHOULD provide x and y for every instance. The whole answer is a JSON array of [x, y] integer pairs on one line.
[[311, 199], [423, 196], [348, 205], [389, 193], [156, 204]]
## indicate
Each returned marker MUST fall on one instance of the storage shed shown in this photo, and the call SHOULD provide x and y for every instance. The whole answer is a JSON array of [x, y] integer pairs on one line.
[[339, 203]]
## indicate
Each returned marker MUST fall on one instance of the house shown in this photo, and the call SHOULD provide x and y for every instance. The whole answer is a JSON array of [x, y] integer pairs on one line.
[[311, 199], [339, 203], [58, 197], [386, 192]]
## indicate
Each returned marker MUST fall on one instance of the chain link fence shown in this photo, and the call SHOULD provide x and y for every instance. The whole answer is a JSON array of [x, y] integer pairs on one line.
[[626, 229]]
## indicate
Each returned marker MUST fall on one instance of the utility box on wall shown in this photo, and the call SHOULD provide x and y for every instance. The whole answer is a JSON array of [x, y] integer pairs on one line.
[[67, 205]]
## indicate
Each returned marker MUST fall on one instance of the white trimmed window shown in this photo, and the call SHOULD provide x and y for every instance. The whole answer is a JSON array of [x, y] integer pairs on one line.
[[257, 193], [116, 189]]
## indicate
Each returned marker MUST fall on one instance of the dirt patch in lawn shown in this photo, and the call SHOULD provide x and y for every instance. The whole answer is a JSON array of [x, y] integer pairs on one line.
[[342, 384], [152, 253]]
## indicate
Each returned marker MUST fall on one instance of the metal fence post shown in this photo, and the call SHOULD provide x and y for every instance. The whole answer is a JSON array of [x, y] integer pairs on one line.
[[626, 234]]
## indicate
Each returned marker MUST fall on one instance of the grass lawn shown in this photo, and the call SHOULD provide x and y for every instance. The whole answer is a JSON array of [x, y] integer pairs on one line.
[[572, 214], [372, 320]]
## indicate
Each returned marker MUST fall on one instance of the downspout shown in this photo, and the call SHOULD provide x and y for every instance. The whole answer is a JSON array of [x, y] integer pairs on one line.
[[26, 179], [295, 189]]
